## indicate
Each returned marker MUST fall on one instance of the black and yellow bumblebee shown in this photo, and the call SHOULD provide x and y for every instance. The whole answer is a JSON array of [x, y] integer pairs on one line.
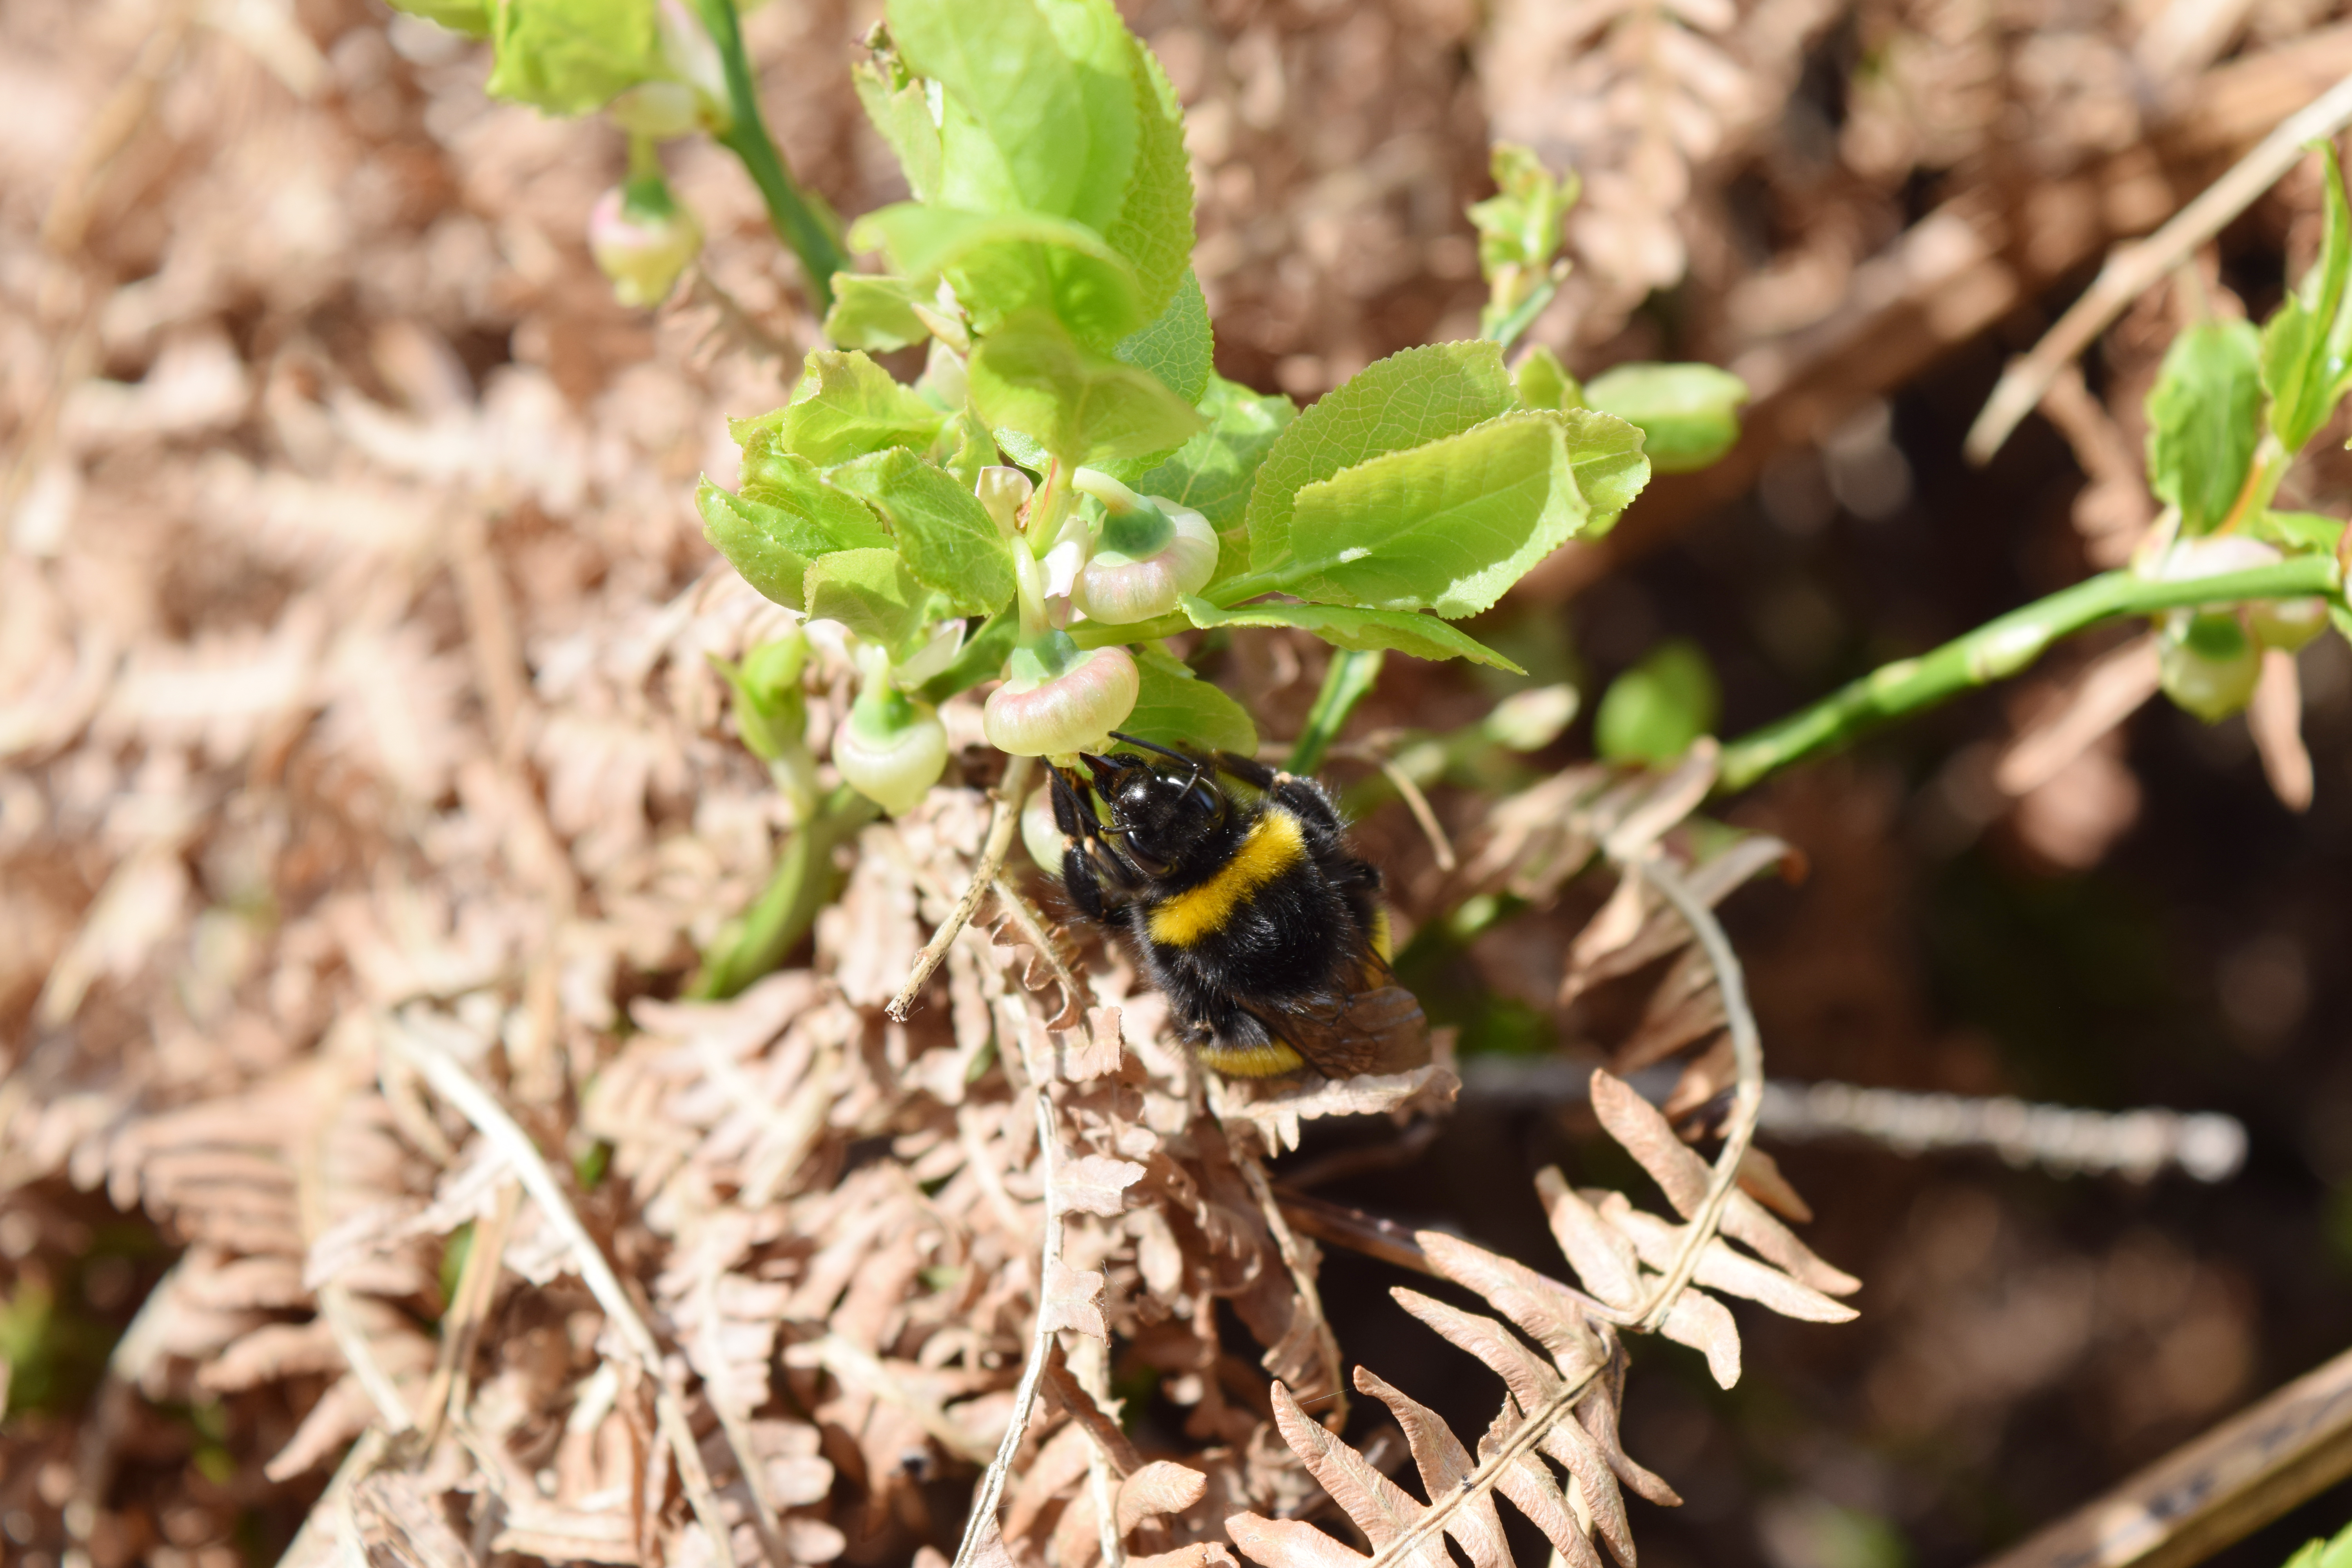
[[1249, 911]]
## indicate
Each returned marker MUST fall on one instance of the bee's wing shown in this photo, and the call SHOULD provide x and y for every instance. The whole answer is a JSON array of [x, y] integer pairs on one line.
[[1343, 1033]]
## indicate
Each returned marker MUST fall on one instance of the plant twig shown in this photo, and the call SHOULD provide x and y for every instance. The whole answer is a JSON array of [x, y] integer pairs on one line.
[[803, 882], [796, 217], [2132, 271], [997, 845], [1418, 804], [1747, 1097], [2136, 1144], [2000, 648]]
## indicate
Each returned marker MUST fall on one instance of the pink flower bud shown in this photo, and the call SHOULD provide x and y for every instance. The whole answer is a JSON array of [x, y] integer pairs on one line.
[[1147, 559], [2286, 623], [891, 749], [642, 239], [1058, 701], [2208, 664]]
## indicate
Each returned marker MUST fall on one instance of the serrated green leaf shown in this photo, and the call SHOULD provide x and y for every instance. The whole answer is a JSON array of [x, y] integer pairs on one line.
[[1690, 413], [1212, 472], [844, 406], [2299, 532], [870, 592], [2307, 355], [2201, 421], [876, 313], [572, 57], [1039, 112], [964, 448], [1154, 225], [1178, 347], [1654, 711], [1080, 406], [898, 102], [1446, 526], [1544, 383], [1520, 225], [1366, 631], [471, 18], [1606, 454], [763, 544], [950, 542], [1406, 400], [1007, 265], [790, 484], [1174, 707]]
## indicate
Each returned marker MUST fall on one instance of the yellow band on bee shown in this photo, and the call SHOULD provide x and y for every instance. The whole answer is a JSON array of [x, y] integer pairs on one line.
[[1271, 1059], [1273, 846]]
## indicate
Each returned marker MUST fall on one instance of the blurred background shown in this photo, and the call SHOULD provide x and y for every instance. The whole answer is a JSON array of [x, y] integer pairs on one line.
[[351, 570]]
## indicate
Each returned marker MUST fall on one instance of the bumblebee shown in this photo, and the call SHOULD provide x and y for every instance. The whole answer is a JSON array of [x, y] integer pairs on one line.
[[1249, 911]]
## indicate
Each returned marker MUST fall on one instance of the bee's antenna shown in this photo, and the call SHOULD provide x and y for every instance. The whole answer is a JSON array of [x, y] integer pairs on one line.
[[1149, 746]]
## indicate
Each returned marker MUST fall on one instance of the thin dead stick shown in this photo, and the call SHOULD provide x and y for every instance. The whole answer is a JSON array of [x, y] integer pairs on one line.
[[461, 1327], [476, 1104], [2131, 272], [990, 1490], [1104, 1469], [2216, 1489], [1747, 1097], [1418, 804], [1302, 1280], [1007, 817]]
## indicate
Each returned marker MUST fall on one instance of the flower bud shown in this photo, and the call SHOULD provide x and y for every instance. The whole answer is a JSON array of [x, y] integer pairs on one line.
[[891, 749], [692, 58], [1146, 560], [1057, 701], [658, 110], [2211, 556], [642, 239], [1002, 493], [1040, 834], [2208, 664], [769, 712], [2286, 623]]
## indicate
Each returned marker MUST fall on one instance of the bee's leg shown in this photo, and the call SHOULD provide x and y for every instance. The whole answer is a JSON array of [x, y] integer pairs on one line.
[[1306, 799], [1078, 880]]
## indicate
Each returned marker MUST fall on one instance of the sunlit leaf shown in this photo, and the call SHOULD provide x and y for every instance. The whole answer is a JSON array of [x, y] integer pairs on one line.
[[844, 406], [950, 542], [1080, 406], [2201, 421], [1176, 706], [1690, 413], [1402, 631], [870, 592]]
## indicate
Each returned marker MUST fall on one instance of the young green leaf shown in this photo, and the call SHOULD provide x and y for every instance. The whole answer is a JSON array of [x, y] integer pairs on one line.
[[870, 592], [1007, 265], [1544, 383], [471, 18], [1690, 413], [1445, 526], [876, 313], [1409, 632], [1177, 347], [1081, 407], [964, 448], [845, 406], [1406, 400], [2201, 421], [1174, 706], [769, 546], [1611, 465], [2299, 532], [572, 57], [1518, 235], [1212, 472], [1154, 225], [2308, 343], [790, 483], [1040, 106], [1654, 711], [946, 538], [898, 102]]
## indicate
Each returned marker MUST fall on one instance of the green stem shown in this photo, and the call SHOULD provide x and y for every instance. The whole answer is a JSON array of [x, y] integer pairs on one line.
[[803, 882], [797, 218], [1097, 634], [1350, 676], [1999, 648]]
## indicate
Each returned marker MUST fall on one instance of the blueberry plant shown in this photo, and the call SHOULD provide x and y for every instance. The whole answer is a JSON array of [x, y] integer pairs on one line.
[[1068, 482]]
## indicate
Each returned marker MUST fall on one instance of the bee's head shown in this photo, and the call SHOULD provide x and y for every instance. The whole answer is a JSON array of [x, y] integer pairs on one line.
[[1159, 810]]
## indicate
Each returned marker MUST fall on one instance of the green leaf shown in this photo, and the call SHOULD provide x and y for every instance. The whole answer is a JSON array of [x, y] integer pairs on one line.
[[1518, 234], [572, 57], [1174, 707], [870, 592], [1688, 412], [2299, 532], [2307, 357], [1446, 526], [1365, 631], [790, 484], [1177, 347], [1154, 225], [1654, 711], [1081, 406], [1610, 467], [2201, 421], [870, 313], [982, 659], [1007, 265], [845, 406], [1212, 472], [964, 448], [949, 541], [898, 102], [471, 18], [1419, 395], [1039, 110], [763, 544], [1544, 383]]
